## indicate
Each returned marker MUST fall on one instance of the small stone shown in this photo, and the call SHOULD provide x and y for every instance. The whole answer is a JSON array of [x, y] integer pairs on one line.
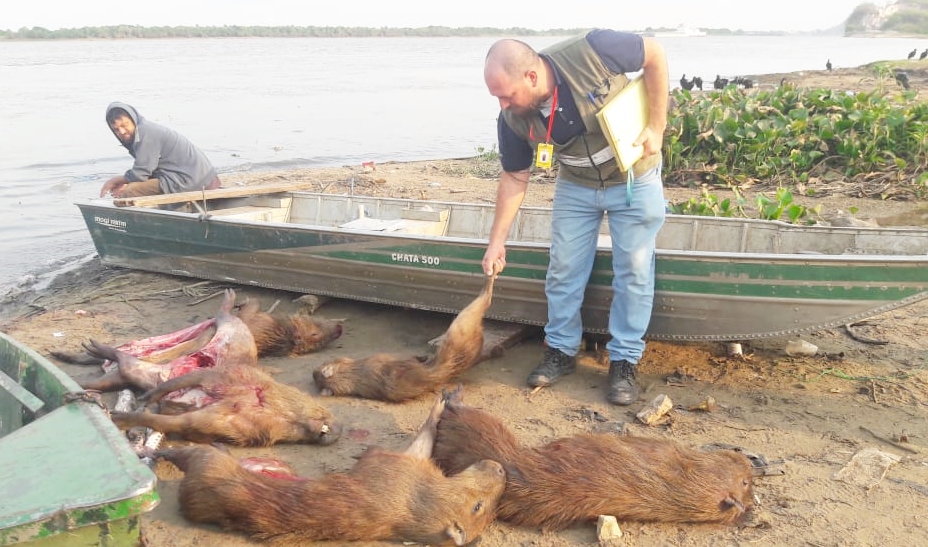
[[653, 413], [607, 529]]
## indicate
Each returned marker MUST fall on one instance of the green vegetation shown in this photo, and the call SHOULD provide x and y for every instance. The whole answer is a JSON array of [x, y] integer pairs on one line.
[[793, 139], [908, 17]]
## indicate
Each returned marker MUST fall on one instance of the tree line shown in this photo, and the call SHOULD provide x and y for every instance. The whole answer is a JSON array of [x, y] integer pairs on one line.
[[238, 31]]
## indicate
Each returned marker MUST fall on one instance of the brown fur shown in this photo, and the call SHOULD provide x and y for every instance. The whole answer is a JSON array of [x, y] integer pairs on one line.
[[295, 334], [238, 404], [396, 377], [385, 496], [231, 342], [576, 479]]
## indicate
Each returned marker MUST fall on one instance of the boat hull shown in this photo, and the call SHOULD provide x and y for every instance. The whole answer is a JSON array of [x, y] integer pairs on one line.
[[67, 475], [720, 280]]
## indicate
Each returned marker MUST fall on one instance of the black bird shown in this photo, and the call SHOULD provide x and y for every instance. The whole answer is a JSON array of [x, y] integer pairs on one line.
[[912, 53], [902, 77], [743, 82], [686, 84], [828, 65], [923, 54], [697, 81], [719, 82]]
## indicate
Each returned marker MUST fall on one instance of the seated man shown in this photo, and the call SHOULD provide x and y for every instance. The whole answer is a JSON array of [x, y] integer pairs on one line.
[[165, 161]]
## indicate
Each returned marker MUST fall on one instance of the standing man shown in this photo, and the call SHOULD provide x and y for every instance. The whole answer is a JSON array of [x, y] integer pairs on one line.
[[548, 102], [165, 161]]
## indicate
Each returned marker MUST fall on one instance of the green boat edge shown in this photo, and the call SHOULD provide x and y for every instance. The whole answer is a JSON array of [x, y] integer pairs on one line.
[[97, 518]]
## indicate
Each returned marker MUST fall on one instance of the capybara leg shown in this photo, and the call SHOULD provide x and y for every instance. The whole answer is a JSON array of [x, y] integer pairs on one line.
[[110, 381], [191, 379], [421, 446], [177, 424], [77, 358], [170, 353]]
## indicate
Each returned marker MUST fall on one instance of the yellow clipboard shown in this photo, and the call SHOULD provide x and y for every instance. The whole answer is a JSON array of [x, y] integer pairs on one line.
[[622, 119]]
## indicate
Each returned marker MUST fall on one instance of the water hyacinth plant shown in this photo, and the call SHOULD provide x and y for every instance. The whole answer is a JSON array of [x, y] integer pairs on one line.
[[788, 136]]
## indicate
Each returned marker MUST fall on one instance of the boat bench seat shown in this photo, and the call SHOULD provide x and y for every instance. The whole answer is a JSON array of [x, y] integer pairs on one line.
[[14, 399], [253, 212]]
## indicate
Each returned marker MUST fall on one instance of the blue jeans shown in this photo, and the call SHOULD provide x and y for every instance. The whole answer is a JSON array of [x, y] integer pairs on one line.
[[577, 215]]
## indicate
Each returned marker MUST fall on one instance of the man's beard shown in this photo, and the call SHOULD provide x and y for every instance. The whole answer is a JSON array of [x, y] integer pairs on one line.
[[523, 111]]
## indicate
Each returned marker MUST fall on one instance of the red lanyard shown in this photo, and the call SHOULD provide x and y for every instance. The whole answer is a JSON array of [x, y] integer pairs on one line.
[[531, 128]]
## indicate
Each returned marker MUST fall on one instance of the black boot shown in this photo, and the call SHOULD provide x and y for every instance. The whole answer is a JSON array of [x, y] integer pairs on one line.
[[555, 365], [623, 390]]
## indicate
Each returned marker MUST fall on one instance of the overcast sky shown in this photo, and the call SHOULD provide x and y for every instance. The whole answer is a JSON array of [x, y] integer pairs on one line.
[[790, 15]]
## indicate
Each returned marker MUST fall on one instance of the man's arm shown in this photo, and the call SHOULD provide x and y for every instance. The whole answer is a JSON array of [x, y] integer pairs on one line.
[[147, 153], [654, 72], [510, 192]]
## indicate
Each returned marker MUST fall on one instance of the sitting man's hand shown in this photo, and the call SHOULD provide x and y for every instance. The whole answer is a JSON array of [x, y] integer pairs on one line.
[[114, 186]]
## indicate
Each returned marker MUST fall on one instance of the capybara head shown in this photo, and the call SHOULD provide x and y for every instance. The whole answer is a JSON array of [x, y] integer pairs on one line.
[[484, 477], [461, 506], [309, 335]]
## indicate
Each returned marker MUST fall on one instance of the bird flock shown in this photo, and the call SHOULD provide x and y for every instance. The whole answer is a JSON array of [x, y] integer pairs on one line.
[[901, 76]]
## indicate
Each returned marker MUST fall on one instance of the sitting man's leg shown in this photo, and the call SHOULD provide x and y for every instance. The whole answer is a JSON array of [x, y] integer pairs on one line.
[[150, 187]]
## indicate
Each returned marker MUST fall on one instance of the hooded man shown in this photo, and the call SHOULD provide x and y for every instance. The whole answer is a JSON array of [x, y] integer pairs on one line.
[[165, 161]]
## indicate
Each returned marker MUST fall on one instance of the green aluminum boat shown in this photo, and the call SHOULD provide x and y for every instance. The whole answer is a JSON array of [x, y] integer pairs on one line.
[[720, 279], [68, 476]]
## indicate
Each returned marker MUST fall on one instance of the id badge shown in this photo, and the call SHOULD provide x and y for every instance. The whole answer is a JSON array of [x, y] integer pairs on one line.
[[543, 155]]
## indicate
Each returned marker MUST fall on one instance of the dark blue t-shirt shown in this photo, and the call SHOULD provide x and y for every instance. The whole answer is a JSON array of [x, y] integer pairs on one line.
[[621, 52]]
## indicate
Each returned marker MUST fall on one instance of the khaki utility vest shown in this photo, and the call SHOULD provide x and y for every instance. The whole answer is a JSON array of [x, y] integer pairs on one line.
[[582, 158]]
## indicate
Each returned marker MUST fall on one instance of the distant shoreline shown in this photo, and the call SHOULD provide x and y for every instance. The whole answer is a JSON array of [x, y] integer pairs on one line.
[[128, 32]]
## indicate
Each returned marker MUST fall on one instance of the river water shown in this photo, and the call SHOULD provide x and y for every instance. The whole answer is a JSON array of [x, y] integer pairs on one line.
[[275, 103]]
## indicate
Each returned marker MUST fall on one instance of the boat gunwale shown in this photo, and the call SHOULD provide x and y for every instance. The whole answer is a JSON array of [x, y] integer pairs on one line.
[[511, 243]]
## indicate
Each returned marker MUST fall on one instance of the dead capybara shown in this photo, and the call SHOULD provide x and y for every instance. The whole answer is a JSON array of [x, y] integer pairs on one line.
[[398, 377], [400, 496], [231, 342], [576, 479], [291, 335], [237, 404]]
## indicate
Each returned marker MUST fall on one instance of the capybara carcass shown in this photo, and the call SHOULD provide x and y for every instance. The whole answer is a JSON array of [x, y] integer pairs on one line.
[[397, 377], [385, 496], [575, 479], [232, 342], [237, 404], [289, 336]]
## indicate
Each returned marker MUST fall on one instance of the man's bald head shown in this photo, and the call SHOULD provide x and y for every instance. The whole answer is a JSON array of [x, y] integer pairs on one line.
[[511, 58], [517, 76]]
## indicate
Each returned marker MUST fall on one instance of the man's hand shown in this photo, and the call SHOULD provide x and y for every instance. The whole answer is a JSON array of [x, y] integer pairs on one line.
[[494, 260], [114, 186], [650, 140]]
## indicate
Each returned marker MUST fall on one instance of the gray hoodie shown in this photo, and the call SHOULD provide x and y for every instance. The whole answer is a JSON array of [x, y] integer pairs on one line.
[[166, 155]]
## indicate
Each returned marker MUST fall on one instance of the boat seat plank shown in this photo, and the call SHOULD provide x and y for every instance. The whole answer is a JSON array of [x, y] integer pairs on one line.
[[218, 193], [21, 394]]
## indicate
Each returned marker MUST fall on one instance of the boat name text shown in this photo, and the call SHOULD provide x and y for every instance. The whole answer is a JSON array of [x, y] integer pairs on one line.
[[111, 223], [428, 260]]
